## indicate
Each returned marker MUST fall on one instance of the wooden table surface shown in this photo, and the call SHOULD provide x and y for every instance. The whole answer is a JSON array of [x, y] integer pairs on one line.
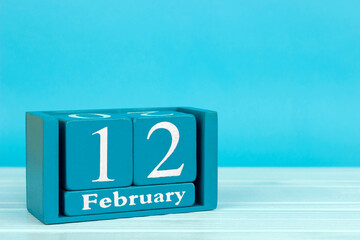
[[254, 203]]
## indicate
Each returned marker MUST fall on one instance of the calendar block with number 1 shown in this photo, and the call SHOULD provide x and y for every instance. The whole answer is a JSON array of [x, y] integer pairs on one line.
[[103, 164]]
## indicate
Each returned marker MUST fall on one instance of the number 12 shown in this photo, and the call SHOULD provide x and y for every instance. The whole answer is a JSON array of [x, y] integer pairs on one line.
[[175, 136]]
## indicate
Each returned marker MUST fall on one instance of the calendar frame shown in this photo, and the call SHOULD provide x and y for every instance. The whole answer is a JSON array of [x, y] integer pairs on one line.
[[42, 166]]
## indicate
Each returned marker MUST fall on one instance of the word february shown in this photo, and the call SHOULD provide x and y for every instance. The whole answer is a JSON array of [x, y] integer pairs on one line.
[[127, 199], [120, 201]]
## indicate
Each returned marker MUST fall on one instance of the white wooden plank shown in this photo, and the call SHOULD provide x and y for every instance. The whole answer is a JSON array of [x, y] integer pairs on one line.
[[254, 203]]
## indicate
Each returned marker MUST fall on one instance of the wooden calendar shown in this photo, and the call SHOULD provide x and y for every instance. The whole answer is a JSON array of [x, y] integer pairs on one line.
[[103, 164]]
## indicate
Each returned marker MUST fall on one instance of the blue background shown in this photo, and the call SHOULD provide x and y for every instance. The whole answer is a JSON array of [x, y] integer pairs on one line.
[[283, 75]]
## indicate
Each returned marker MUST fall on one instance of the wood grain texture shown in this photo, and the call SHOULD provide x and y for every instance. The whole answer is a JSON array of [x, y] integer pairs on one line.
[[254, 203]]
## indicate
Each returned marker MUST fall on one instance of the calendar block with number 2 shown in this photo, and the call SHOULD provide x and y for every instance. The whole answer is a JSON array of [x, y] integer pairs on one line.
[[103, 164]]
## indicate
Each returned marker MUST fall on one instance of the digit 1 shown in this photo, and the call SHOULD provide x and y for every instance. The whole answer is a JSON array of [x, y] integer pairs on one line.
[[103, 155]]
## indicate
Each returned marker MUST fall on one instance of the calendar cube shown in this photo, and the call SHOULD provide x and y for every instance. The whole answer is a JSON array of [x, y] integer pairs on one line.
[[95, 151], [164, 147], [127, 199]]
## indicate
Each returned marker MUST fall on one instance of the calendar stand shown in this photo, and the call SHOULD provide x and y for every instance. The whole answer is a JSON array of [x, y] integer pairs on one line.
[[42, 166]]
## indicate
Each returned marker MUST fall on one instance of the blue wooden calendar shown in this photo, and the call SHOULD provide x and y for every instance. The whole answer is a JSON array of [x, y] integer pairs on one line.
[[103, 164]]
